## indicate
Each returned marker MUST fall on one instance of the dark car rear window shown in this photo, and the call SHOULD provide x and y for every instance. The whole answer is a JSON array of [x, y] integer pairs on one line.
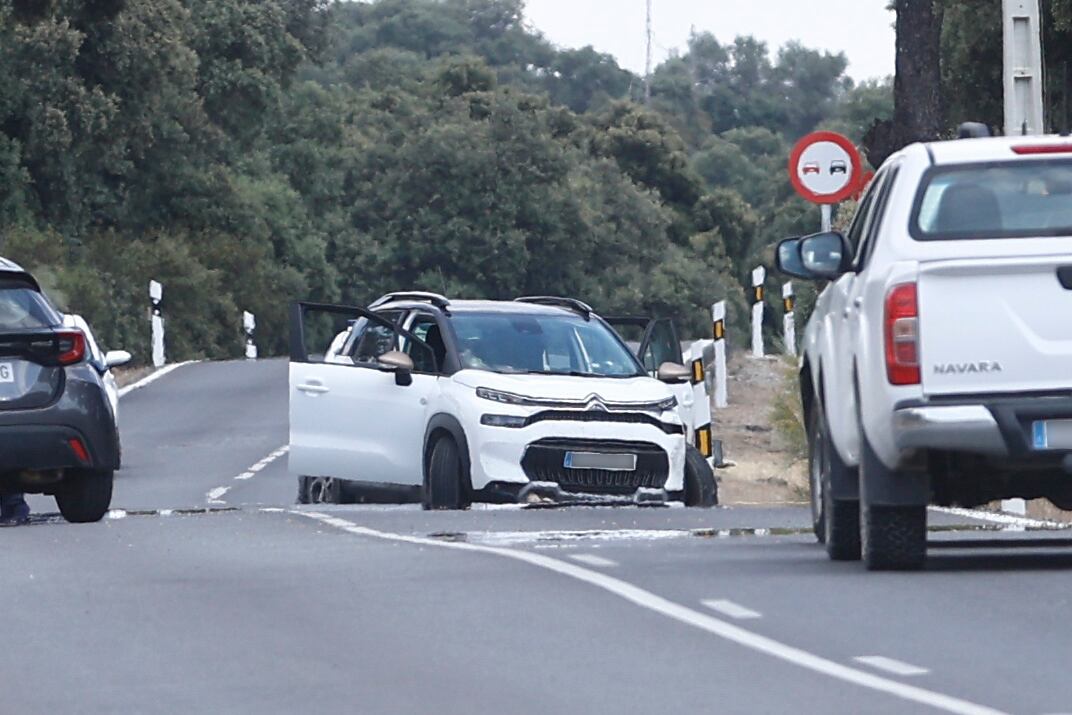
[[23, 308], [1001, 200]]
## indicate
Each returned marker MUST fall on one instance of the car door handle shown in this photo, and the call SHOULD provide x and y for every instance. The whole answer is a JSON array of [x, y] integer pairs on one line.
[[858, 302], [313, 388]]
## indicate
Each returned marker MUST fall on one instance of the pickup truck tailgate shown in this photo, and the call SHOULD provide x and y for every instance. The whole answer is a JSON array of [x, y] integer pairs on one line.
[[996, 325]]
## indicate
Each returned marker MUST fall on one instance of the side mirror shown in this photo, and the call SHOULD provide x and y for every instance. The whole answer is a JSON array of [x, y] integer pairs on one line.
[[673, 374], [821, 256], [400, 364], [116, 358]]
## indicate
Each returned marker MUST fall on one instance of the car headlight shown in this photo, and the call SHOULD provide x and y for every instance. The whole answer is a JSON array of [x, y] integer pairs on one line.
[[666, 405], [507, 398], [512, 421]]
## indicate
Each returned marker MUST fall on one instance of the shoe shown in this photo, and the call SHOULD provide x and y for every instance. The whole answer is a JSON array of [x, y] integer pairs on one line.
[[14, 511]]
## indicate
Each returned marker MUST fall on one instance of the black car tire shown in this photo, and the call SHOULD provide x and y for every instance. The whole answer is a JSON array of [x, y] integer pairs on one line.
[[444, 488], [85, 495], [836, 522], [320, 490], [894, 537], [701, 489]]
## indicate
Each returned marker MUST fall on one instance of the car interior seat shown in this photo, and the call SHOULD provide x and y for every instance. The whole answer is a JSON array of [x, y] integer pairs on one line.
[[968, 207]]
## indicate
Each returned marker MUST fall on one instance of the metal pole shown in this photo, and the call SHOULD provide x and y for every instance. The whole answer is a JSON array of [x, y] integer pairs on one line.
[[648, 60], [827, 218], [1022, 39]]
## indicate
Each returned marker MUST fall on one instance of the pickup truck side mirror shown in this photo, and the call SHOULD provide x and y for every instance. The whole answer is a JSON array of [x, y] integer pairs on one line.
[[821, 256]]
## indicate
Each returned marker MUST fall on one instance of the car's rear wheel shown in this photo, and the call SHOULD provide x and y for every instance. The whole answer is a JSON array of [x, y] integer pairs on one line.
[[836, 522], [701, 489], [320, 490], [85, 495], [444, 487]]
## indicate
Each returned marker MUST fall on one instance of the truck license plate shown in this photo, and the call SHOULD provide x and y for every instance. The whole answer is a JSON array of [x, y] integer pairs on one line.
[[1051, 434], [595, 460]]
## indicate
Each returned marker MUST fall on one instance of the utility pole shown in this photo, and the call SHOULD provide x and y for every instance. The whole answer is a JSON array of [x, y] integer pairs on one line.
[[1023, 67], [647, 62]]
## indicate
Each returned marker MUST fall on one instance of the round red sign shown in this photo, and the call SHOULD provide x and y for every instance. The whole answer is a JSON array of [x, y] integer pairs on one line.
[[825, 168]]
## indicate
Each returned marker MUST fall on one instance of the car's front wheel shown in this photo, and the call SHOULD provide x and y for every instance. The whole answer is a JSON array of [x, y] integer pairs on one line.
[[443, 486], [85, 495], [701, 489], [320, 490], [836, 522]]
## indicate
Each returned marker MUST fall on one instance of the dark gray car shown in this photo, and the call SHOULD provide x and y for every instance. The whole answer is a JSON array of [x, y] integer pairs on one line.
[[58, 433]]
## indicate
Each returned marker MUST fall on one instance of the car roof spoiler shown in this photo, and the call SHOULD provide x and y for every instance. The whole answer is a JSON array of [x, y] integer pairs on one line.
[[573, 304]]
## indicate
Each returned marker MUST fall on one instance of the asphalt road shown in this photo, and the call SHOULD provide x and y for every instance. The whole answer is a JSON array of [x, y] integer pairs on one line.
[[260, 606]]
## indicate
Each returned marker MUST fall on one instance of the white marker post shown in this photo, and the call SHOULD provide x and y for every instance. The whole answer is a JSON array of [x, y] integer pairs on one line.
[[249, 324], [718, 316], [758, 276], [789, 327], [701, 402], [156, 296]]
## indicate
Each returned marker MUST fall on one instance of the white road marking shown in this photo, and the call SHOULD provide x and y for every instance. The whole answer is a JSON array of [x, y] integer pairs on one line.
[[215, 496], [731, 609], [890, 665], [593, 560], [683, 614], [999, 518], [153, 377]]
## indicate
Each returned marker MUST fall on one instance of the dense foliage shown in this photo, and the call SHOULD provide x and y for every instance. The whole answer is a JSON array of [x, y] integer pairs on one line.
[[249, 152]]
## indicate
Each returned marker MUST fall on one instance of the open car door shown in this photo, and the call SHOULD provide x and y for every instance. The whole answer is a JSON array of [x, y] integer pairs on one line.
[[655, 341], [357, 402]]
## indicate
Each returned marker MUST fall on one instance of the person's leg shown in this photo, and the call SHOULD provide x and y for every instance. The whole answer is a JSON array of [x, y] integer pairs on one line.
[[13, 509]]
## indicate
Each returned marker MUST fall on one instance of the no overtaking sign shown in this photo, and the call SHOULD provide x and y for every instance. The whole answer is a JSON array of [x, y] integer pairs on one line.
[[825, 168]]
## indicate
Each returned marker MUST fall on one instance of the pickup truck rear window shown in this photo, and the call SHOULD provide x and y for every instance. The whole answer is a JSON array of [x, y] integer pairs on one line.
[[1001, 200]]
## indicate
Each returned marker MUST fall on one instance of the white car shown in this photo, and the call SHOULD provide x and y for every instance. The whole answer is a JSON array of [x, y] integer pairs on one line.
[[101, 361], [449, 402], [937, 364]]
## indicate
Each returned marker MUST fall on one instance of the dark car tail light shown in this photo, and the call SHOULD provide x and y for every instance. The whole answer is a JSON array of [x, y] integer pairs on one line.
[[70, 347], [79, 450], [902, 335]]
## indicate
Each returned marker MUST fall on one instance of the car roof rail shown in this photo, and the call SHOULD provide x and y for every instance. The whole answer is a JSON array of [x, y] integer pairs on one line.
[[435, 299], [568, 303]]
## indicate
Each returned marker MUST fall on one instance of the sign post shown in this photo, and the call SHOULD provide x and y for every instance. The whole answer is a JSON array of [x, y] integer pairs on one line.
[[156, 296]]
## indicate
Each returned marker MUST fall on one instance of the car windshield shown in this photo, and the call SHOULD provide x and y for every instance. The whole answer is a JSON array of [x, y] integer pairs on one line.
[[541, 344], [1009, 200], [23, 308]]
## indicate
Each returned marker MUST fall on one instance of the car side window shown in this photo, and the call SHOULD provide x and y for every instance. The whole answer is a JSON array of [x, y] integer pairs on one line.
[[373, 341], [430, 353], [878, 214], [662, 346], [856, 229]]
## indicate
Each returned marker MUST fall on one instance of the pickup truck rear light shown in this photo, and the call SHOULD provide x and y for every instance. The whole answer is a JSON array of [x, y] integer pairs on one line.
[[902, 335], [71, 347]]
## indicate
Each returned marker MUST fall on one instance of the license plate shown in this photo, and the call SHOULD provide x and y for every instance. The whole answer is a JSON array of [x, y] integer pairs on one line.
[[597, 460], [7, 372], [1052, 434]]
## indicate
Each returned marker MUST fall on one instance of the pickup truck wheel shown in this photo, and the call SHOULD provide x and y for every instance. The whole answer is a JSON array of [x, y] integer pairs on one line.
[[701, 489], [85, 495], [836, 522], [894, 537], [443, 487]]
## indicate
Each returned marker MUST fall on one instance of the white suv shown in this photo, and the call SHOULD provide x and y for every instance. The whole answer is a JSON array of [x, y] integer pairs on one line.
[[419, 397], [937, 364]]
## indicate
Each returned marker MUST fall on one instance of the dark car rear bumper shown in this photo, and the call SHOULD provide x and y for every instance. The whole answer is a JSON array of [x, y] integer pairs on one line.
[[40, 448]]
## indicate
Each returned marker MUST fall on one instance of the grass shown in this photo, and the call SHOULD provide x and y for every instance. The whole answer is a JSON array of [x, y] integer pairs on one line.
[[787, 413]]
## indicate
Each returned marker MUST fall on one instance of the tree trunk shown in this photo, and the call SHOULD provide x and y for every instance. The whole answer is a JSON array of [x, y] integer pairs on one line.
[[917, 88]]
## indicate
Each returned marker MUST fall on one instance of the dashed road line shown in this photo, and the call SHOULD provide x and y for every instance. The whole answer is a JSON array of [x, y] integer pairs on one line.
[[215, 496], [890, 665], [683, 614], [153, 377], [593, 560], [731, 609]]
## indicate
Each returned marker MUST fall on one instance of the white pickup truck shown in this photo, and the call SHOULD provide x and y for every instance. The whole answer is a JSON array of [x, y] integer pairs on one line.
[[937, 365]]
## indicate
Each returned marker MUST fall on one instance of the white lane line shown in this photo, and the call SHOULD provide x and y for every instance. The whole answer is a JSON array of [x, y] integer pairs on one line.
[[593, 560], [216, 495], [688, 616], [731, 609], [999, 518], [153, 377], [890, 665]]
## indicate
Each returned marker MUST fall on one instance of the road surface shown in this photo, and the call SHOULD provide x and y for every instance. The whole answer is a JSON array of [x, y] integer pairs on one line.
[[261, 606]]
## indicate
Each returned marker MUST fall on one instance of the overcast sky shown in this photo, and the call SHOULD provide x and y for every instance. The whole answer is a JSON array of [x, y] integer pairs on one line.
[[862, 29]]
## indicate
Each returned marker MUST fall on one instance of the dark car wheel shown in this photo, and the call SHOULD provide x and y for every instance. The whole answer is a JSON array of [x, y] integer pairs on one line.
[[85, 495], [836, 522], [444, 488], [320, 490], [701, 489]]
